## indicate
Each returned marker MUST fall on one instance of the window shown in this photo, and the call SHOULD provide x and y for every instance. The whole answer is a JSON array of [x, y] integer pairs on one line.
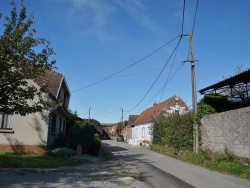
[[53, 123], [177, 112], [64, 126], [60, 126], [143, 132], [6, 120]]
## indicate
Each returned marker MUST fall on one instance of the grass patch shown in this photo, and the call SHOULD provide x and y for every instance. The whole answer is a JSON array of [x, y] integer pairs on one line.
[[24, 160], [104, 155], [226, 163]]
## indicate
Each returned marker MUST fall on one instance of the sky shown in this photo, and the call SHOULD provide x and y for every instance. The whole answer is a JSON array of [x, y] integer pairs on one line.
[[121, 56]]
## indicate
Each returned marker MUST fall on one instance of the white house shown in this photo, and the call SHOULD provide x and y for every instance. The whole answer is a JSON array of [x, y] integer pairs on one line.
[[142, 126]]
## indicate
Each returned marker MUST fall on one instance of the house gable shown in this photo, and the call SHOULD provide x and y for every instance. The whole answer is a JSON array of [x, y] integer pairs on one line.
[[169, 106]]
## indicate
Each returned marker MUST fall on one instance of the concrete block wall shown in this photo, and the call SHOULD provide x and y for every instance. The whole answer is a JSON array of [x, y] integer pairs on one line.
[[229, 129]]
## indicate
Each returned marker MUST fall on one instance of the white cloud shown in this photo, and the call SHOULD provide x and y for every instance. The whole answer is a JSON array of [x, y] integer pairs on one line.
[[99, 14], [138, 12], [100, 10]]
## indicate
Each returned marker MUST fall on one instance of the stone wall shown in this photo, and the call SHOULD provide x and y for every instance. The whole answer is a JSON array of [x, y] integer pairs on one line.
[[229, 130]]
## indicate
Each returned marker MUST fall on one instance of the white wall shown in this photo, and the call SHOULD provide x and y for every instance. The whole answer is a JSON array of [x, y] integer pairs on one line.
[[142, 132]]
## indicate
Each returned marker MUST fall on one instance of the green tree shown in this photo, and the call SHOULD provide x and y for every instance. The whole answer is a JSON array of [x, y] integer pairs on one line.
[[22, 57], [174, 131]]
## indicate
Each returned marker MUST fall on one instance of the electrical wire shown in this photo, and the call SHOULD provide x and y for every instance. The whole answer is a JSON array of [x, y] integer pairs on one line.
[[197, 3], [183, 16], [127, 66], [105, 110], [162, 87], [127, 74], [169, 73], [157, 76]]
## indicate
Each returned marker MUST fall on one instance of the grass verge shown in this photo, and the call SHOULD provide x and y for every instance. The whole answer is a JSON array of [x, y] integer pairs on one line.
[[25, 160], [226, 163]]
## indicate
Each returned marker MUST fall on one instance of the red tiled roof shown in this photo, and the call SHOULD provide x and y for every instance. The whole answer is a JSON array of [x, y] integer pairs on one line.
[[132, 118], [52, 80], [152, 112]]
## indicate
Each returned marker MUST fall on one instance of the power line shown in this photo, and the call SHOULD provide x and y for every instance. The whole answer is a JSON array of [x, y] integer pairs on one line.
[[182, 28], [158, 75], [105, 111], [127, 66], [169, 73], [183, 16], [197, 3], [162, 87], [128, 74]]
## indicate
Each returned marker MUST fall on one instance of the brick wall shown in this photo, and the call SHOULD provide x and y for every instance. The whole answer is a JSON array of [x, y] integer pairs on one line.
[[229, 129], [22, 148]]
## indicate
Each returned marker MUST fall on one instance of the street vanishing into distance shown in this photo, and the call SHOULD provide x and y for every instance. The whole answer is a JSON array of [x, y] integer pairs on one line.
[[160, 171]]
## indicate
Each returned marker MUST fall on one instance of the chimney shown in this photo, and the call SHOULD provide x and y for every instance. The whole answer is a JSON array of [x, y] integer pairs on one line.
[[154, 104]]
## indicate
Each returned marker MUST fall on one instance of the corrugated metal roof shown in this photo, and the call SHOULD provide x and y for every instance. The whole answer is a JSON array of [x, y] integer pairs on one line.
[[243, 77]]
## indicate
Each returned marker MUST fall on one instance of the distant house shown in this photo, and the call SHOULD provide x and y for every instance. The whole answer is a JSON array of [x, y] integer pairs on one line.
[[141, 127], [39, 131], [111, 129], [127, 130]]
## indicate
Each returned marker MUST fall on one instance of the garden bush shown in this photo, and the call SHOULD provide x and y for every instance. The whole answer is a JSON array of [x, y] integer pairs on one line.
[[81, 134], [174, 131], [95, 146]]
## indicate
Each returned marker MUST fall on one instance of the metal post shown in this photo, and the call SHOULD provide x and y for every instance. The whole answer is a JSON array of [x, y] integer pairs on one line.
[[89, 113], [122, 121], [194, 96]]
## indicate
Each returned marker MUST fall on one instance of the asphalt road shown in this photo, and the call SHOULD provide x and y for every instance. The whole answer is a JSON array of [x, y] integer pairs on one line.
[[161, 171]]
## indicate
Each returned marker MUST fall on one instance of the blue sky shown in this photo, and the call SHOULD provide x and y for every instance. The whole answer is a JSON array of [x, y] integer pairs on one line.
[[94, 39]]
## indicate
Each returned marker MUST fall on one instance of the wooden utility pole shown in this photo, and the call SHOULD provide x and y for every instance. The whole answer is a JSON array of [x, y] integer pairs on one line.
[[194, 96], [89, 113]]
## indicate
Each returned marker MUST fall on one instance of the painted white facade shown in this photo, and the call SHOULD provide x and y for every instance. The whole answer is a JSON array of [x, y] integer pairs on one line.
[[140, 133], [143, 125]]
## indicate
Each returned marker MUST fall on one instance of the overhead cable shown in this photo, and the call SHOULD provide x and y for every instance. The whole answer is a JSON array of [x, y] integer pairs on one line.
[[157, 76], [197, 3], [158, 92], [169, 74], [183, 17], [127, 66]]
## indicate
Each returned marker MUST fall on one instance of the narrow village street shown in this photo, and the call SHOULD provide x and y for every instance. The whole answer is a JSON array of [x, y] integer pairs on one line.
[[132, 166], [161, 171]]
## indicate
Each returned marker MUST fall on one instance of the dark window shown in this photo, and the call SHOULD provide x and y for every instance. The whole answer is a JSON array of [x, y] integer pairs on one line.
[[60, 129], [6, 120], [53, 122], [64, 126]]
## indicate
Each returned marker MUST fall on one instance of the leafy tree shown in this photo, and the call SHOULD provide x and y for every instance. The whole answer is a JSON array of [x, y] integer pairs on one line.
[[174, 131], [22, 57]]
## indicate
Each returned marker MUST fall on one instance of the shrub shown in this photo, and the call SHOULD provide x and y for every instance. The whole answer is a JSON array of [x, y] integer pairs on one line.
[[204, 109], [74, 135], [174, 131], [95, 146], [87, 139], [81, 134]]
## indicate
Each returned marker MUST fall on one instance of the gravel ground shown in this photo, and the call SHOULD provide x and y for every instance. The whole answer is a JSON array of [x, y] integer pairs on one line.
[[108, 174]]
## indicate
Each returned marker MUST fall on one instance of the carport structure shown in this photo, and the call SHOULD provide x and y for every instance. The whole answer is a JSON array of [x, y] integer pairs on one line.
[[236, 87]]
